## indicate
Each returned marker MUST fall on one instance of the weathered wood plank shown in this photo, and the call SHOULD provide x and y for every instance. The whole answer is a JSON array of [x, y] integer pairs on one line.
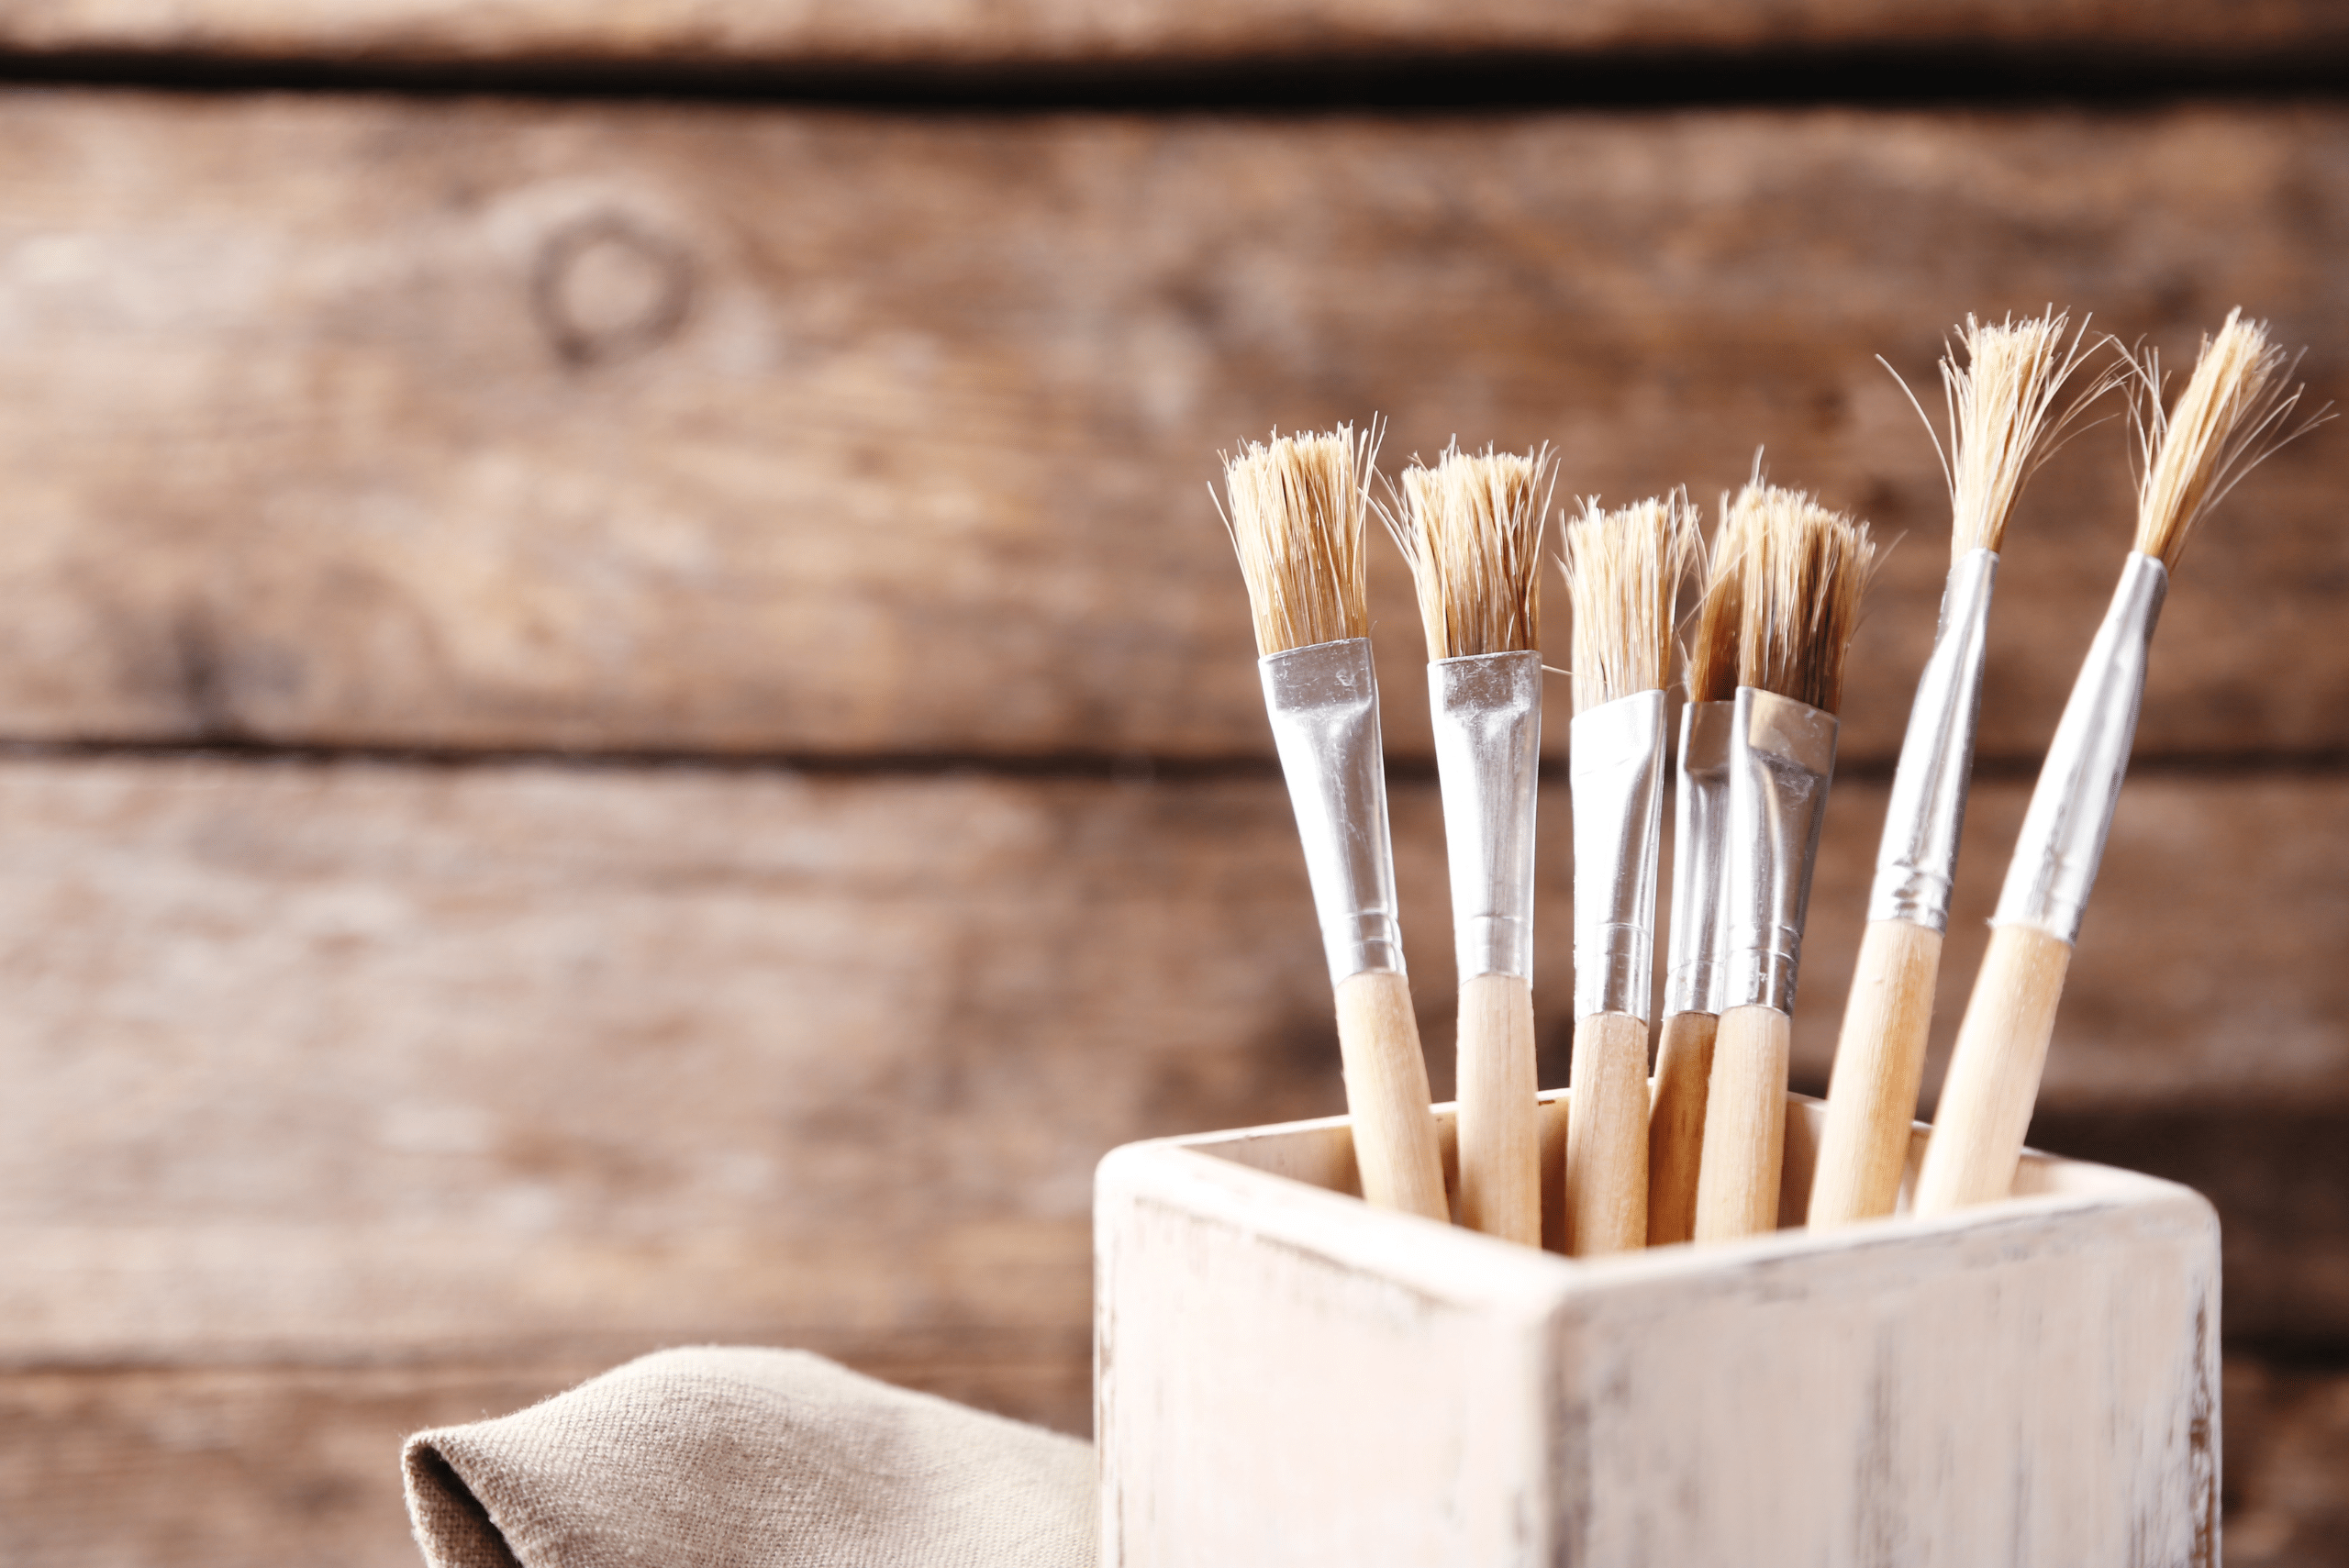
[[361, 1060], [227, 1467], [2287, 1447], [480, 425], [2206, 969], [231, 1466], [900, 32]]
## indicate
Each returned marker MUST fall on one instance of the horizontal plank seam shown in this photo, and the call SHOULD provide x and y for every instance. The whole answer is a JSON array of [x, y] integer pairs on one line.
[[1925, 74], [971, 1343], [1126, 767], [2287, 1353]]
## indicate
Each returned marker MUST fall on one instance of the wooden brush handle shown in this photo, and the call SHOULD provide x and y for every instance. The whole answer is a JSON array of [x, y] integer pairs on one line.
[[1607, 1136], [1745, 1126], [1386, 1094], [1500, 1111], [1880, 1062], [1684, 1063], [1994, 1072]]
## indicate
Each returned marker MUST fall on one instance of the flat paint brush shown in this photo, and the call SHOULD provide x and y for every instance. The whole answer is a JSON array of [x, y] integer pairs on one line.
[[1471, 527], [1684, 1058], [1804, 570], [1624, 570], [2233, 412], [2003, 422], [1295, 509]]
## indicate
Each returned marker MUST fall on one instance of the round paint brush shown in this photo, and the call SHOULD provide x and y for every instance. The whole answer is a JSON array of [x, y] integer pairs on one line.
[[1803, 570], [1624, 570], [2003, 422], [1295, 509], [1470, 528], [2233, 412]]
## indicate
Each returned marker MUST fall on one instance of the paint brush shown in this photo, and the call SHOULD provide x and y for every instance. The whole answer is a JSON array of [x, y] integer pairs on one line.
[[1624, 570], [1294, 508], [2003, 422], [1470, 528], [1803, 570], [1684, 1058], [2233, 412]]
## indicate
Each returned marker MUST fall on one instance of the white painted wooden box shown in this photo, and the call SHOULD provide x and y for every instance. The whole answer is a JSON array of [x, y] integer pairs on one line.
[[1286, 1375]]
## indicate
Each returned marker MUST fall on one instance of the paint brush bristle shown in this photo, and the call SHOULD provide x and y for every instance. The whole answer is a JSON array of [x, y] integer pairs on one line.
[[1471, 527], [1624, 570], [1805, 568], [1295, 513], [2234, 413], [1713, 657], [2003, 419]]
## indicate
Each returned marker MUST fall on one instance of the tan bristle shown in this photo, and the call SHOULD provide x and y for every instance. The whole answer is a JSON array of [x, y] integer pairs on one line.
[[1471, 530], [1805, 570], [2003, 421], [1624, 570], [1712, 658], [1295, 513], [2232, 415]]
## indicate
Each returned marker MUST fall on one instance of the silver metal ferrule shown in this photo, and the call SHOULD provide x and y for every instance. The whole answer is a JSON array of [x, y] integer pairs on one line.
[[1781, 757], [1323, 702], [2071, 810], [1917, 863], [1615, 767], [1487, 709], [1692, 973]]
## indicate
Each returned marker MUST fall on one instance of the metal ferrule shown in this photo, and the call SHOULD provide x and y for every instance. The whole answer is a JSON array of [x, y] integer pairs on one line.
[[1323, 702], [2071, 810], [1781, 756], [1692, 973], [1487, 709], [1615, 766], [1917, 863]]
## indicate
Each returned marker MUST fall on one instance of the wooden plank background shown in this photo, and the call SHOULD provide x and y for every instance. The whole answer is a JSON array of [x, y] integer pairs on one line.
[[919, 414], [626, 722], [644, 35]]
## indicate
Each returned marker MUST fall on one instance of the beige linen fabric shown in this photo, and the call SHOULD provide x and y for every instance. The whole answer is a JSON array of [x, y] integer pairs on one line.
[[726, 1458]]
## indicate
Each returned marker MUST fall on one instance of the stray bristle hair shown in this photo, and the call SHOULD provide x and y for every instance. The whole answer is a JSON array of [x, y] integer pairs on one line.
[[1624, 570], [1804, 571], [1295, 514], [2234, 413], [2003, 419], [1713, 657], [1471, 527]]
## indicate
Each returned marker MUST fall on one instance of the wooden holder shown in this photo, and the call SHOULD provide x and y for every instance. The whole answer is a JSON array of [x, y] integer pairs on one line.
[[1286, 1375]]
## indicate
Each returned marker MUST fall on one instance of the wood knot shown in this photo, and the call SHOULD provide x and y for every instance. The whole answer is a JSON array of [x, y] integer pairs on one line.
[[605, 288]]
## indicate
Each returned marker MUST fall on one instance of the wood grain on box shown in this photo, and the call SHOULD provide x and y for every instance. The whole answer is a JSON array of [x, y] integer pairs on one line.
[[629, 427], [1528, 1410]]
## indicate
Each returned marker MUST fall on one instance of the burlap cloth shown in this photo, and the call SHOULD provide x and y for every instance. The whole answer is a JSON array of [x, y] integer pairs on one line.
[[716, 1458]]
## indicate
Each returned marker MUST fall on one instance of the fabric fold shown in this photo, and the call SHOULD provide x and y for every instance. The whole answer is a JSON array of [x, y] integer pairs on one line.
[[735, 1458]]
